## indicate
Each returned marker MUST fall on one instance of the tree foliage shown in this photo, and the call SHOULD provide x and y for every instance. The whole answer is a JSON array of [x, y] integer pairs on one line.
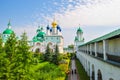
[[9, 55], [55, 56], [71, 46], [15, 58], [47, 53], [23, 58]]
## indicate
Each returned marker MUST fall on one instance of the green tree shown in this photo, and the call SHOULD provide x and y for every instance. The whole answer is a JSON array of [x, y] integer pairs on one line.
[[71, 47], [10, 57], [47, 53], [23, 59], [55, 57], [2, 60]]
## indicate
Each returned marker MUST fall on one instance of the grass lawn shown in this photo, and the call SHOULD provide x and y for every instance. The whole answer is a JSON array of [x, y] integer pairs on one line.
[[83, 75]]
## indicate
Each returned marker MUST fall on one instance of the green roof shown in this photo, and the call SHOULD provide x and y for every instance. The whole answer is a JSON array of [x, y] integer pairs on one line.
[[76, 39], [35, 39], [41, 34], [8, 31], [39, 37], [79, 30], [107, 36]]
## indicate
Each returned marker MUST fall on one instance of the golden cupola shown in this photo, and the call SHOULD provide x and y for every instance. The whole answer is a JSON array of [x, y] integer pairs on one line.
[[54, 24]]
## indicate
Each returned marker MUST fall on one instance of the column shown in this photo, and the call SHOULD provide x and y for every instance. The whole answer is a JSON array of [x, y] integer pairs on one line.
[[95, 49], [90, 49], [104, 50]]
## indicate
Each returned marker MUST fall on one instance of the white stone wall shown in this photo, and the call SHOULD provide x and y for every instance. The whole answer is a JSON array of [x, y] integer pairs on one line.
[[107, 70]]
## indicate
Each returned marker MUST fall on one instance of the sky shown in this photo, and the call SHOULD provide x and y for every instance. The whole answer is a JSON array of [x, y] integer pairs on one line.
[[95, 17]]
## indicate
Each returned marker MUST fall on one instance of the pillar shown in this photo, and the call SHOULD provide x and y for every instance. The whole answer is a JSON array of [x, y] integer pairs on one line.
[[104, 50], [90, 49], [95, 49]]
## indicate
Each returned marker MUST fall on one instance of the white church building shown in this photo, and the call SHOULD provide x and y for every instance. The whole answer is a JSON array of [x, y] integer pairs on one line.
[[53, 37]]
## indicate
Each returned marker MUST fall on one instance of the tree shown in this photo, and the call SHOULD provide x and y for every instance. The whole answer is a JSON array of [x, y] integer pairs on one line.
[[47, 53], [71, 47], [55, 57], [10, 57], [2, 60], [23, 59]]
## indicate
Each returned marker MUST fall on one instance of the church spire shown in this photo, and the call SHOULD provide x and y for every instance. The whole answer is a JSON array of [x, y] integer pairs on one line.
[[9, 25]]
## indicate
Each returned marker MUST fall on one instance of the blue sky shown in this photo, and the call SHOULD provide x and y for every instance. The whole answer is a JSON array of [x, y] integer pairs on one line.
[[96, 17]]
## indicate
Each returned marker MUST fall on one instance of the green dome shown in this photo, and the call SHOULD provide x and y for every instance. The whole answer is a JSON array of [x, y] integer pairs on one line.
[[41, 34], [35, 39], [8, 31], [76, 39], [79, 30], [39, 37]]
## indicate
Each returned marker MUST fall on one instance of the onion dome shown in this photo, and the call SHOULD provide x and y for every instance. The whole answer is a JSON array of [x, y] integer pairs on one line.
[[39, 37], [8, 30], [58, 28], [79, 30], [41, 34], [54, 24], [48, 27]]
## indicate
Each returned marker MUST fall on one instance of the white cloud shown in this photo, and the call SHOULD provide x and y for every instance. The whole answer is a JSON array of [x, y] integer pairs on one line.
[[94, 13]]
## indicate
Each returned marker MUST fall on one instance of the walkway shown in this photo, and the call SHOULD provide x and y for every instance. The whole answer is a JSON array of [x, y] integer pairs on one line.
[[73, 76]]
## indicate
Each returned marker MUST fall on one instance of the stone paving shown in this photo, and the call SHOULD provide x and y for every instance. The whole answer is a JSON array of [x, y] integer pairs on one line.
[[73, 74]]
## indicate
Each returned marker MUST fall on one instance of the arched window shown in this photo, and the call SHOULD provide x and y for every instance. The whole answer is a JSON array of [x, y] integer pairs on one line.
[[38, 44], [99, 75]]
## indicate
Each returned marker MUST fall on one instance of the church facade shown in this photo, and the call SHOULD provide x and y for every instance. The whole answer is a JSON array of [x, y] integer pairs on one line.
[[53, 37]]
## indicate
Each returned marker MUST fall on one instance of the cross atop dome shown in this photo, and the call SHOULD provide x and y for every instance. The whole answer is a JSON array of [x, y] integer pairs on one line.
[[9, 25]]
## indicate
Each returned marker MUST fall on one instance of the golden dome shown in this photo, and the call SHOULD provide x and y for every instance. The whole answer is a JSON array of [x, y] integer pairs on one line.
[[54, 24]]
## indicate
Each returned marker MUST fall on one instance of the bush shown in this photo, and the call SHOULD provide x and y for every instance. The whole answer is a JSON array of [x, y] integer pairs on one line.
[[47, 71]]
